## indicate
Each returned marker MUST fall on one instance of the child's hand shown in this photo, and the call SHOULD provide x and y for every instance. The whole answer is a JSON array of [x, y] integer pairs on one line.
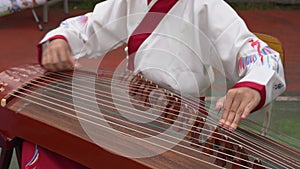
[[58, 56], [238, 104]]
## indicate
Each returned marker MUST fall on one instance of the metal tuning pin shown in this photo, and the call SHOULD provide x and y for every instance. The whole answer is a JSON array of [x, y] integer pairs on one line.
[[212, 142], [173, 108], [221, 161], [228, 145], [203, 119], [146, 93], [196, 129], [186, 106], [257, 164], [209, 146], [240, 158], [176, 99], [224, 148], [218, 137]]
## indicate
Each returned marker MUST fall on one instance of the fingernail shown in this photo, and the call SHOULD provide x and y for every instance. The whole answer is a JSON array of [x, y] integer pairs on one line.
[[100, 74], [77, 65], [225, 126], [220, 124], [231, 129]]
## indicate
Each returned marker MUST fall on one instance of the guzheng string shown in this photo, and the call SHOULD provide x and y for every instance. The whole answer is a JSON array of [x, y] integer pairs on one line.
[[195, 104], [267, 147], [192, 103], [55, 80], [122, 83], [73, 116], [53, 90]]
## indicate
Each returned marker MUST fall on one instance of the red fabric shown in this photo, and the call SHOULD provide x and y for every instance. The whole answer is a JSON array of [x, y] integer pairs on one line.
[[260, 88], [45, 159], [147, 26], [149, 1], [40, 49]]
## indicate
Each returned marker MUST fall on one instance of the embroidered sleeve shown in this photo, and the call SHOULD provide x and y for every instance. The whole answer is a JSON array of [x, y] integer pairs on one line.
[[260, 55], [246, 60], [93, 34], [260, 68]]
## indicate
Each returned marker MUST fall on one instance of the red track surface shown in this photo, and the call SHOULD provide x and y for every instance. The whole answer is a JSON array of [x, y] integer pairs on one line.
[[19, 35]]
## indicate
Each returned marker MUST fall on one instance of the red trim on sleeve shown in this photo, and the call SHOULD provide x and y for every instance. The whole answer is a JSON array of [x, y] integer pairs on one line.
[[40, 49], [260, 88], [58, 37]]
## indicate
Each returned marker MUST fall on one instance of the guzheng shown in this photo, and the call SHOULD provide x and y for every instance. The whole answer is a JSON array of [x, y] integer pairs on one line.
[[125, 121]]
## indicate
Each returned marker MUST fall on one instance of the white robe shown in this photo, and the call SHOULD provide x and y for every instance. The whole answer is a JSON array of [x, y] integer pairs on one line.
[[193, 37]]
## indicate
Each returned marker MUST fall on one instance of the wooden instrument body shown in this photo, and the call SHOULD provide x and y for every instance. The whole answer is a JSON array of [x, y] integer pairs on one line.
[[50, 132], [60, 131]]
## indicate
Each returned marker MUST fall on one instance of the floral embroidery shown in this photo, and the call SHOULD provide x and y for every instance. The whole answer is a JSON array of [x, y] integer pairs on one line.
[[245, 61], [83, 20], [268, 56], [257, 44], [32, 164], [278, 86]]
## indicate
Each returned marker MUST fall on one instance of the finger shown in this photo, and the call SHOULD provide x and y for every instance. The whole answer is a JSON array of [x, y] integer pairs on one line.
[[54, 60], [66, 60], [47, 61], [245, 108], [233, 111], [220, 103], [71, 62], [227, 104], [57, 56], [248, 109], [45, 58], [238, 115], [59, 60]]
